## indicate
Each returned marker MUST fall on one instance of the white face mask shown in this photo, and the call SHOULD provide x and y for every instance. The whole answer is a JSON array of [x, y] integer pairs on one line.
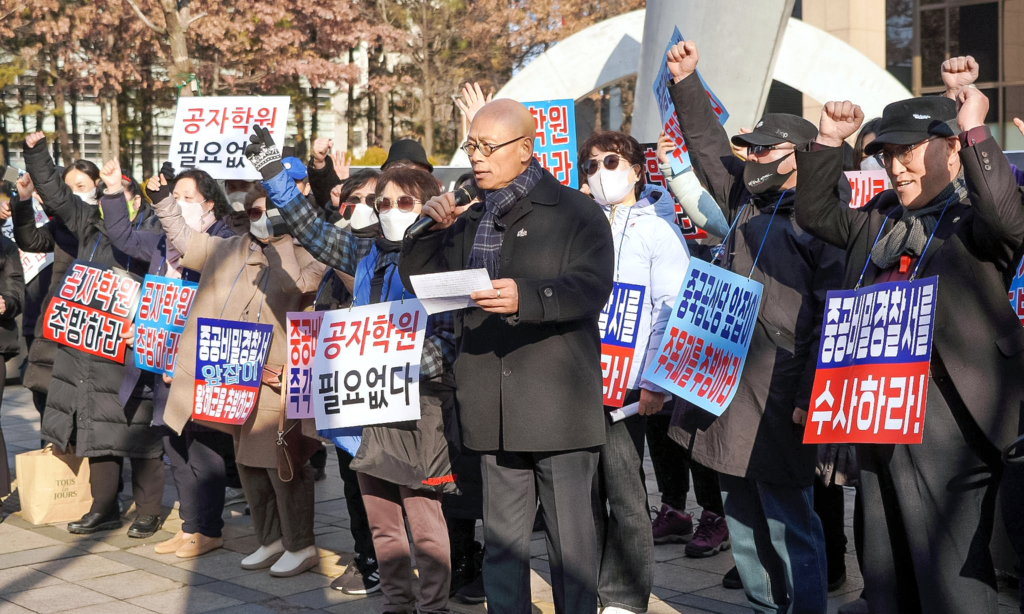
[[610, 187], [871, 163], [237, 200], [193, 214], [394, 223], [363, 216], [88, 197], [260, 228]]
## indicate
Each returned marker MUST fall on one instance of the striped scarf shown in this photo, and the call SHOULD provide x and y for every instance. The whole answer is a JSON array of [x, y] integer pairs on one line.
[[486, 250]]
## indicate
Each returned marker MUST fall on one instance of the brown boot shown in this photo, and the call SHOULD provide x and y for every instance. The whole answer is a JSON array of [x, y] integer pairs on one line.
[[198, 545], [171, 545]]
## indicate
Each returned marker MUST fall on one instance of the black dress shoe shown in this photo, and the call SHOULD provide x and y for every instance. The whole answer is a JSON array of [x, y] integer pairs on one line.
[[94, 522], [732, 580], [144, 526]]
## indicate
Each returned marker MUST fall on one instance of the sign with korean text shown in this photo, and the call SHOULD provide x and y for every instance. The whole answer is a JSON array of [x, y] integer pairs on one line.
[[92, 308], [619, 324], [707, 337], [654, 176], [230, 357], [303, 330], [871, 384], [163, 311], [366, 368], [679, 159], [866, 185], [32, 263], [1017, 292], [210, 133], [555, 143]]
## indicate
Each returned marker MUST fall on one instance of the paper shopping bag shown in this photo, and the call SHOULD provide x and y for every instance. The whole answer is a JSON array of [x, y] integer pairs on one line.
[[53, 485]]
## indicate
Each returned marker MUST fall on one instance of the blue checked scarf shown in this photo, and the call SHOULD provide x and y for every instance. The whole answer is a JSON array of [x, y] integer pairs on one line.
[[487, 244]]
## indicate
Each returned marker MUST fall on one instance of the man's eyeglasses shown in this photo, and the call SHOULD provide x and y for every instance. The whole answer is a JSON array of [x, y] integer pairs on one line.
[[403, 202], [755, 150], [610, 162], [903, 153], [486, 148]]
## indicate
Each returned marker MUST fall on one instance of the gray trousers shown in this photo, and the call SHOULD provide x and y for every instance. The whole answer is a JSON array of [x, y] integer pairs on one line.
[[512, 483], [928, 515]]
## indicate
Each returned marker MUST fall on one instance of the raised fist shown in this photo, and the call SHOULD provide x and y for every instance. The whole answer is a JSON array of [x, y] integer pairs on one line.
[[111, 176], [839, 120], [958, 73], [321, 147], [972, 107], [682, 60], [25, 187], [33, 139], [263, 154], [158, 188]]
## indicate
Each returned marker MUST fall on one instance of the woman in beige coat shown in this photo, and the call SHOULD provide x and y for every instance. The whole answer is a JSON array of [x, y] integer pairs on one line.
[[258, 277]]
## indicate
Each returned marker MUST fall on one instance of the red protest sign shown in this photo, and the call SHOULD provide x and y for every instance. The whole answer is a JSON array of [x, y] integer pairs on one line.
[[866, 185], [92, 308]]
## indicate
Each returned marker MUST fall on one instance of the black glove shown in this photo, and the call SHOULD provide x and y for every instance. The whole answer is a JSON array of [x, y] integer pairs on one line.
[[167, 170], [263, 154]]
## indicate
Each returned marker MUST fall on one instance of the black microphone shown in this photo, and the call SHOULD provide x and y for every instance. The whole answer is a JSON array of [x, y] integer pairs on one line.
[[463, 196]]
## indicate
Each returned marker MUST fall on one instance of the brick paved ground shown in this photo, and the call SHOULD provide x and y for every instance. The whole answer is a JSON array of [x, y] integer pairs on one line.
[[46, 569]]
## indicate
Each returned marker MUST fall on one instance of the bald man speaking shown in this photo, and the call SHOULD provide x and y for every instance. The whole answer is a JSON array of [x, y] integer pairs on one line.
[[529, 366]]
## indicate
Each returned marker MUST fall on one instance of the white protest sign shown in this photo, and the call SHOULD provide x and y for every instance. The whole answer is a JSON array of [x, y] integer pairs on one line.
[[367, 365], [32, 263], [211, 133], [866, 185]]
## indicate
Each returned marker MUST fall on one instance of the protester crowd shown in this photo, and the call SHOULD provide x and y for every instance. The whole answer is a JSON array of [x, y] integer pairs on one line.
[[513, 430]]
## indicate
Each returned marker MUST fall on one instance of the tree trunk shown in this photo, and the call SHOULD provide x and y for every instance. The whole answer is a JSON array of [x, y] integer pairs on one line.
[[40, 98], [427, 79], [22, 101], [627, 88], [124, 122], [383, 120], [59, 119], [115, 130], [177, 21], [5, 140], [76, 143], [146, 104], [104, 128], [314, 114], [350, 111], [300, 120]]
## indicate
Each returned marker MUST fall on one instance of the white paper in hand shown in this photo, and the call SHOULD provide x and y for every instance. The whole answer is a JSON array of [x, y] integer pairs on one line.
[[624, 412], [449, 291]]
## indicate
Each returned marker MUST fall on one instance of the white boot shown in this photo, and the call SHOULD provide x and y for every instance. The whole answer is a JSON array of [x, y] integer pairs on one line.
[[293, 563], [264, 557]]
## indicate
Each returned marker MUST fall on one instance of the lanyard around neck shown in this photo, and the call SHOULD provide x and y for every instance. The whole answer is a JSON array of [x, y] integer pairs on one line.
[[735, 223], [920, 259]]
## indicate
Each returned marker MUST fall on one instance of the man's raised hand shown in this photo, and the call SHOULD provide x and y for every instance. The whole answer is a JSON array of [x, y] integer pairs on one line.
[[682, 60], [958, 73], [111, 175], [839, 120], [972, 107], [33, 139], [442, 210], [321, 147], [25, 187]]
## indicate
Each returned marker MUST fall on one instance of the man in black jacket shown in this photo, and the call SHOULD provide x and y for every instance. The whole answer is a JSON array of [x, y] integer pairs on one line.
[[765, 472], [529, 365], [929, 508]]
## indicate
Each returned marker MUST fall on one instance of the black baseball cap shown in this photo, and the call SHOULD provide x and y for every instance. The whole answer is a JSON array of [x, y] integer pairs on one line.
[[775, 128], [409, 150], [910, 121]]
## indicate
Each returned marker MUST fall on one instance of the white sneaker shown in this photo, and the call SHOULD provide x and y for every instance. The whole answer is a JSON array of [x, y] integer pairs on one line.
[[293, 563], [614, 610], [264, 557], [233, 496]]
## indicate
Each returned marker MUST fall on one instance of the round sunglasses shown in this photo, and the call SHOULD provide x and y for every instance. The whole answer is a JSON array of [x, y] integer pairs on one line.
[[403, 202], [610, 162]]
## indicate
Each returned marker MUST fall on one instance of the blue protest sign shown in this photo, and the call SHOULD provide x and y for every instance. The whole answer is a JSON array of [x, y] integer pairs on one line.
[[163, 311], [555, 143], [1017, 292], [871, 383], [618, 324], [230, 357], [679, 158], [705, 345]]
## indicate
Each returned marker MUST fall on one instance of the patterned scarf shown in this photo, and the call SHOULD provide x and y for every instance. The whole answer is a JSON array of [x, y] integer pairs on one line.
[[910, 233], [487, 244]]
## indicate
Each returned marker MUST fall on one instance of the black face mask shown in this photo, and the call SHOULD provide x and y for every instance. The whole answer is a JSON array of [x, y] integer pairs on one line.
[[764, 177]]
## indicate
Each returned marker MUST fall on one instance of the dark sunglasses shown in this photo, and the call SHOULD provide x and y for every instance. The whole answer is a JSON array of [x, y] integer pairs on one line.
[[403, 202], [760, 149], [360, 200], [255, 214], [610, 162]]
